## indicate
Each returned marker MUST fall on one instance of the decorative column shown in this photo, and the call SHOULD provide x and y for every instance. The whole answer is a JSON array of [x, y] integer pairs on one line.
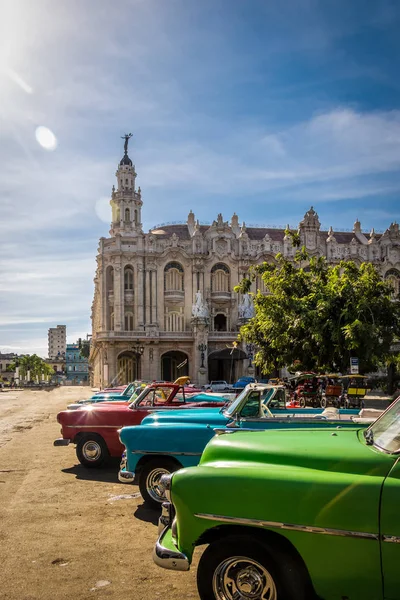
[[200, 334], [117, 299], [141, 317]]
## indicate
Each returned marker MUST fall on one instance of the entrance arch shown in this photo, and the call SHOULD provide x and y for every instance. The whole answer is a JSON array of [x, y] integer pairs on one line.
[[127, 367], [174, 364], [225, 364]]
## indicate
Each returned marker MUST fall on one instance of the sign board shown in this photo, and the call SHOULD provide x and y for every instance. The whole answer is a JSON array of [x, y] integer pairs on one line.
[[354, 365]]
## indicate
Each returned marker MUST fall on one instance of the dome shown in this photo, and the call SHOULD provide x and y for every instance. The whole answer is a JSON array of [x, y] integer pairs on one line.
[[125, 160]]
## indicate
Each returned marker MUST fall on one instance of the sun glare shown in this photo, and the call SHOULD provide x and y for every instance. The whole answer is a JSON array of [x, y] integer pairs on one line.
[[46, 138]]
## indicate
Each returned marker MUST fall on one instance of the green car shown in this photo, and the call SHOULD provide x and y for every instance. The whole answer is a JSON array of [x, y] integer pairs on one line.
[[290, 514]]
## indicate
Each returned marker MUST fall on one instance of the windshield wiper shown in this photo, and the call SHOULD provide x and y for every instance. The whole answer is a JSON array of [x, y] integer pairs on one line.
[[369, 437]]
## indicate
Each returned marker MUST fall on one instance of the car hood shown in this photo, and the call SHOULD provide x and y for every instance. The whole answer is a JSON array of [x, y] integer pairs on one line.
[[167, 437], [341, 450], [207, 416], [92, 413]]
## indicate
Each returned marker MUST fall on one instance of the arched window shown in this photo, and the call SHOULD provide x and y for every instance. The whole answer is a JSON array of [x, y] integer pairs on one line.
[[220, 278], [173, 320], [173, 277], [393, 277], [127, 215], [136, 221], [128, 321], [128, 279]]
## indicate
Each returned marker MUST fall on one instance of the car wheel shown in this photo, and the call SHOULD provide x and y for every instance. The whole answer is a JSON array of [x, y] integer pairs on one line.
[[323, 402], [243, 567], [91, 450], [302, 402], [150, 477]]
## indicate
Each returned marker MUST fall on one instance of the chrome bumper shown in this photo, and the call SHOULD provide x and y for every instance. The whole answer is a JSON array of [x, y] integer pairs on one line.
[[126, 476], [165, 557], [61, 442]]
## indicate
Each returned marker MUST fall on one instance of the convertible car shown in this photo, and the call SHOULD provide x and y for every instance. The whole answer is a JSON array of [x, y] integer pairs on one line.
[[94, 428], [158, 446], [294, 514]]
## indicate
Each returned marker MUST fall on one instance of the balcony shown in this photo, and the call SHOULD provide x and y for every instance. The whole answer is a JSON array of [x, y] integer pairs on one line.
[[220, 296], [227, 336], [174, 295]]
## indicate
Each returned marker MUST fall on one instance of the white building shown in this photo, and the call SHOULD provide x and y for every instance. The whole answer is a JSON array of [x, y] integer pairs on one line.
[[164, 304], [57, 338]]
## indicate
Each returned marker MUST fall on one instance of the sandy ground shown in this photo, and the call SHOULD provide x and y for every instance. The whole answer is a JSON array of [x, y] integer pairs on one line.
[[64, 534]]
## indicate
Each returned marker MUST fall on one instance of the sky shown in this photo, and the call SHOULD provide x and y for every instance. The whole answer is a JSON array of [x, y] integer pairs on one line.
[[259, 107]]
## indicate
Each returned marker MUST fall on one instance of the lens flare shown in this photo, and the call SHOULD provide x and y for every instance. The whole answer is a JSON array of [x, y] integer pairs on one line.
[[46, 138]]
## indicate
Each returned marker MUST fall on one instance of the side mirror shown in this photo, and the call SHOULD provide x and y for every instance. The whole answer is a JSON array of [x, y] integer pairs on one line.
[[234, 424]]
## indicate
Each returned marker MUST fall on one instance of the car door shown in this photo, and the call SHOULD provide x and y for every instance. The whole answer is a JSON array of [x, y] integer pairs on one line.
[[390, 533]]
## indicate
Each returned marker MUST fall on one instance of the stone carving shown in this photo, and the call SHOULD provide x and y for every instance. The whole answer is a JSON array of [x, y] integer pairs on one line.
[[200, 308], [221, 247], [246, 308]]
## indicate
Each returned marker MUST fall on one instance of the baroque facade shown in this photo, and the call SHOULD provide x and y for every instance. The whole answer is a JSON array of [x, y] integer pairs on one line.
[[164, 304]]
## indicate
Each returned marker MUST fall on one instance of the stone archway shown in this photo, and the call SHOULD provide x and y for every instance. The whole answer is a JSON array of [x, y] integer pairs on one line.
[[174, 364], [127, 367], [225, 364]]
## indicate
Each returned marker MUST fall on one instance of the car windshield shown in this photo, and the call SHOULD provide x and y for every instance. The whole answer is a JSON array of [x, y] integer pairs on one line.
[[232, 408], [385, 432], [137, 396]]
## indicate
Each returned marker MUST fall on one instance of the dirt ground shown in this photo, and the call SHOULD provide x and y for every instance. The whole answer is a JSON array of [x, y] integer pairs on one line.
[[64, 534]]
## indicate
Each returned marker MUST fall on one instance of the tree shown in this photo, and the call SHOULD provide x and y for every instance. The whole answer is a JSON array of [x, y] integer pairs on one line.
[[34, 364], [84, 347], [319, 315]]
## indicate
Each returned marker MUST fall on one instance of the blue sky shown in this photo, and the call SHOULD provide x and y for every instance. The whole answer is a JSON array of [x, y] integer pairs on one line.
[[258, 107]]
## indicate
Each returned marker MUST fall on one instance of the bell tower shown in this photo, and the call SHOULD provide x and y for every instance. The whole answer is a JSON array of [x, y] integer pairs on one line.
[[126, 202]]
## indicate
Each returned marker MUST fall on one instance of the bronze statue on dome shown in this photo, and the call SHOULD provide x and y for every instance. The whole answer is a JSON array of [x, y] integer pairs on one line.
[[126, 137]]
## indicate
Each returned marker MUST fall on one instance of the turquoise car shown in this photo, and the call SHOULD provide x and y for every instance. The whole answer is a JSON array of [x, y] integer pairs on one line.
[[165, 443], [125, 396]]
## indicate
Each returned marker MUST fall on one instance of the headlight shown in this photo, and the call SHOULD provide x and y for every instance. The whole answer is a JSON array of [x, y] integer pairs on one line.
[[165, 482]]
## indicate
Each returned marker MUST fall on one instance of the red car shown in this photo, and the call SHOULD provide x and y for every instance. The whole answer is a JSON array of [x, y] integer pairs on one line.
[[94, 427]]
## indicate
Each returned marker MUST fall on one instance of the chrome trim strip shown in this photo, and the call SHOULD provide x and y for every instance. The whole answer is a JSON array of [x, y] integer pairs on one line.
[[289, 526], [392, 539], [167, 453], [93, 426]]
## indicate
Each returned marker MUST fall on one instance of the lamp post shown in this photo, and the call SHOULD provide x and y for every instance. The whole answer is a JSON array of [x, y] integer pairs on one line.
[[202, 348], [250, 353], [138, 350]]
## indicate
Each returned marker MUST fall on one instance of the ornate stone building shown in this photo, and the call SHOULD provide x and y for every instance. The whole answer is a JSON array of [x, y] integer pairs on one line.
[[164, 304]]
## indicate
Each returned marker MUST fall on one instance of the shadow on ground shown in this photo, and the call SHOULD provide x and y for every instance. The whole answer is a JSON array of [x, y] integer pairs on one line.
[[107, 474], [149, 515]]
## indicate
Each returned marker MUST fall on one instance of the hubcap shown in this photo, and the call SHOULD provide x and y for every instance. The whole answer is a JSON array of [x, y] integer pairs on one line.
[[91, 450], [241, 578], [153, 484]]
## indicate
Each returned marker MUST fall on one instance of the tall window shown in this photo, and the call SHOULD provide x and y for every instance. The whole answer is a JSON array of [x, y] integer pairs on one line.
[[128, 279], [127, 215], [393, 277], [173, 320], [220, 278], [129, 321], [173, 277]]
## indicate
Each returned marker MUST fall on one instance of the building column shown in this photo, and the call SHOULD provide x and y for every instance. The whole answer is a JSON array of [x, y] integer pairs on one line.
[[154, 297], [140, 300], [117, 299], [200, 367]]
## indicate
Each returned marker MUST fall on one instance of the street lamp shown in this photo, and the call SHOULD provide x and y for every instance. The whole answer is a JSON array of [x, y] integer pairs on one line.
[[250, 352], [202, 348], [138, 349]]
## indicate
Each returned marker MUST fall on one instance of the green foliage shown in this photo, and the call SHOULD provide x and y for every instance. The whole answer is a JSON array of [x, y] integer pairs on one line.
[[84, 346], [318, 316], [33, 363]]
